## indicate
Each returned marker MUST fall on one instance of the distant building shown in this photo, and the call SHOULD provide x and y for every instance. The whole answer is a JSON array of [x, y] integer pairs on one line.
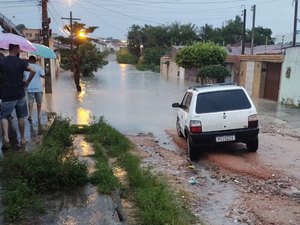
[[287, 39], [33, 35]]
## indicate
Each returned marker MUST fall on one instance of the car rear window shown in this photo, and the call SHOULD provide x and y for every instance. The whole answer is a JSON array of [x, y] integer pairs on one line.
[[228, 100]]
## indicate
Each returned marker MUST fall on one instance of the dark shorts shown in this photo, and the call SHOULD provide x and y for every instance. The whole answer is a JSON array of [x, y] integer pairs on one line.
[[20, 106], [37, 96]]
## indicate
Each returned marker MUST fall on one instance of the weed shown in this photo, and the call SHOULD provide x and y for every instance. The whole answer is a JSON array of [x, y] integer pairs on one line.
[[50, 167], [103, 176], [155, 202]]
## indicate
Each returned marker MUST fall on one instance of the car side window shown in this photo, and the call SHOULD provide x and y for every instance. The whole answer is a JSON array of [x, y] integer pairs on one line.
[[186, 102]]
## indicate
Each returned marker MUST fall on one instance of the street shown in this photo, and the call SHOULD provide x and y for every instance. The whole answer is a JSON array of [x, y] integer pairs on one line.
[[227, 185]]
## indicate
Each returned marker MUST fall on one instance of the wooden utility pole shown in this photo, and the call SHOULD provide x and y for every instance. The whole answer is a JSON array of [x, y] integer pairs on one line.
[[253, 28], [244, 32], [46, 35], [74, 58], [295, 23]]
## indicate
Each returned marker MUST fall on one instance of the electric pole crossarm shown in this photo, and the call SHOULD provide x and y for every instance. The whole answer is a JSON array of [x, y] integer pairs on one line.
[[71, 19]]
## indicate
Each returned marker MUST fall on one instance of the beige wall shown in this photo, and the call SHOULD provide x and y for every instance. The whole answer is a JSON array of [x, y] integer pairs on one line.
[[250, 77]]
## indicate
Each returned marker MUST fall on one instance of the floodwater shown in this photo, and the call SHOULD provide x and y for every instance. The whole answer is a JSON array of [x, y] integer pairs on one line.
[[131, 101]]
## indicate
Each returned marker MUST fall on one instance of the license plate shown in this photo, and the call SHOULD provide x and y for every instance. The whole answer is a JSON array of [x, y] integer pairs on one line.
[[225, 138]]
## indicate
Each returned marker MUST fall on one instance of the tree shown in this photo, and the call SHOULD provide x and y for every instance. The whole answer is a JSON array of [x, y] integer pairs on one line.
[[232, 32], [201, 54], [134, 38], [84, 57], [20, 27], [91, 59], [261, 36], [149, 43]]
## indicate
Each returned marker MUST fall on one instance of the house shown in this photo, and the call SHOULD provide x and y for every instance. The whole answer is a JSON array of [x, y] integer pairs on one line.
[[290, 77], [259, 73], [33, 35]]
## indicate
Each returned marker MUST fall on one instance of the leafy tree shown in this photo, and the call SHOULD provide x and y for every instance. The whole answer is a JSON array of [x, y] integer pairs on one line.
[[91, 59], [20, 27], [153, 55], [232, 32], [261, 36], [157, 39], [134, 38], [201, 54], [84, 58]]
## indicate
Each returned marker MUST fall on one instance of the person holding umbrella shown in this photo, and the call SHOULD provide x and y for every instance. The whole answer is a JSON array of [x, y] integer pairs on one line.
[[12, 91], [35, 88]]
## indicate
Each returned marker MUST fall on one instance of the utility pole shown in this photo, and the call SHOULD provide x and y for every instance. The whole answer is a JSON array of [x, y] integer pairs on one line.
[[71, 19], [253, 28], [295, 23], [244, 32], [74, 58], [46, 35]]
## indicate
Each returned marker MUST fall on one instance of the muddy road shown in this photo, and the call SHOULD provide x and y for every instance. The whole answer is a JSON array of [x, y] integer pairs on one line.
[[228, 185]]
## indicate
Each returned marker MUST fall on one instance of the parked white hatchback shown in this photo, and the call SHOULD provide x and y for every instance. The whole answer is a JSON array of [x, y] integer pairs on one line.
[[214, 114]]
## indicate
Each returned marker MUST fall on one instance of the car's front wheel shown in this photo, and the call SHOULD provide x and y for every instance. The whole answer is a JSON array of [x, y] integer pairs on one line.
[[179, 133], [252, 146], [192, 151]]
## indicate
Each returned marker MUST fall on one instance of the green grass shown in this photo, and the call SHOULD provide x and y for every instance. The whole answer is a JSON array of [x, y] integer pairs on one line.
[[155, 202], [52, 167], [49, 168]]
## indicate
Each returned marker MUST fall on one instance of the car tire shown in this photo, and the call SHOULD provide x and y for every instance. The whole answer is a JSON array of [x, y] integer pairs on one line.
[[192, 151], [252, 146], [179, 133]]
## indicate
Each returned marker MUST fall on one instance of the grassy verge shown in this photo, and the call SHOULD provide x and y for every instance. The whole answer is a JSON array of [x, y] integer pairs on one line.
[[155, 202], [27, 176]]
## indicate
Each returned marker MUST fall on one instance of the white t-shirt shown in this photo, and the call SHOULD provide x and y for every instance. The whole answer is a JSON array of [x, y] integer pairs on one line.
[[35, 84]]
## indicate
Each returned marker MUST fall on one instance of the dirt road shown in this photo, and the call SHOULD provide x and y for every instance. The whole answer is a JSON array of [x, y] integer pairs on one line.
[[229, 185]]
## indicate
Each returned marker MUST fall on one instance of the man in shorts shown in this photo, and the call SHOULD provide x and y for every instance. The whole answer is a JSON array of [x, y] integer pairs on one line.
[[12, 91], [35, 88]]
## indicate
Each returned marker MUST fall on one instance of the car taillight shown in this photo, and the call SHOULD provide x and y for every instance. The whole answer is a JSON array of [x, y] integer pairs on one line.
[[195, 126], [252, 121]]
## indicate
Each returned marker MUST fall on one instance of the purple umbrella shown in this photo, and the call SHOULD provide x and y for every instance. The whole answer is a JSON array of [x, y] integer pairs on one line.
[[9, 38]]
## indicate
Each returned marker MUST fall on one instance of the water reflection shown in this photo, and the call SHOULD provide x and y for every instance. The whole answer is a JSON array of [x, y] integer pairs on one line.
[[84, 116]]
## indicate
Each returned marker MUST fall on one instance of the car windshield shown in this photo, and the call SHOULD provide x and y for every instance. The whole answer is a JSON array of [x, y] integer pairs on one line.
[[228, 100]]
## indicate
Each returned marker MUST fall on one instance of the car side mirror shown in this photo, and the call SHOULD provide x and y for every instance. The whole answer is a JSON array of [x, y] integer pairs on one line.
[[176, 105]]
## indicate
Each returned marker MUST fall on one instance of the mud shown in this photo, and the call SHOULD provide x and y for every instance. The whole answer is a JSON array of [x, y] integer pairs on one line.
[[230, 185]]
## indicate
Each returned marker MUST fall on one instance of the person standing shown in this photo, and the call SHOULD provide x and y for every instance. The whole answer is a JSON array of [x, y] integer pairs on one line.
[[35, 88], [12, 91]]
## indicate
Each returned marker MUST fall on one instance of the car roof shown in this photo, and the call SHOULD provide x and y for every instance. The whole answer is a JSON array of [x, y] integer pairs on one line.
[[214, 87]]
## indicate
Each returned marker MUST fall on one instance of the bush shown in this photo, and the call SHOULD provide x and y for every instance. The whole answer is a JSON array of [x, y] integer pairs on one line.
[[217, 72], [201, 54], [123, 56], [152, 55]]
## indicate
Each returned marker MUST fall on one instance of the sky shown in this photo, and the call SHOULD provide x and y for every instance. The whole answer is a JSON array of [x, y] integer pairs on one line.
[[115, 17]]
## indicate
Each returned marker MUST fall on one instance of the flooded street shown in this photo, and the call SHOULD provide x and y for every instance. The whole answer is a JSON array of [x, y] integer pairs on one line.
[[131, 101], [233, 186]]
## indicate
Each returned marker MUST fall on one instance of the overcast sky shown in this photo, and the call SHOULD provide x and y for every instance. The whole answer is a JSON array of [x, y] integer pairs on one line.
[[114, 17]]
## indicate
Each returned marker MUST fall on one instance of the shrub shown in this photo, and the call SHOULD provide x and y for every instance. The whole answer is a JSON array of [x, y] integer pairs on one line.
[[217, 72], [123, 56]]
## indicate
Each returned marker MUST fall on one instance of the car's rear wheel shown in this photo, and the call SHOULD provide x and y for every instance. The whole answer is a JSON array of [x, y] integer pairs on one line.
[[192, 151], [252, 146], [179, 133]]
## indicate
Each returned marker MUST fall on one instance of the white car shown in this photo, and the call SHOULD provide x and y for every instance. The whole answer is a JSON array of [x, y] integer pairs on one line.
[[214, 114]]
